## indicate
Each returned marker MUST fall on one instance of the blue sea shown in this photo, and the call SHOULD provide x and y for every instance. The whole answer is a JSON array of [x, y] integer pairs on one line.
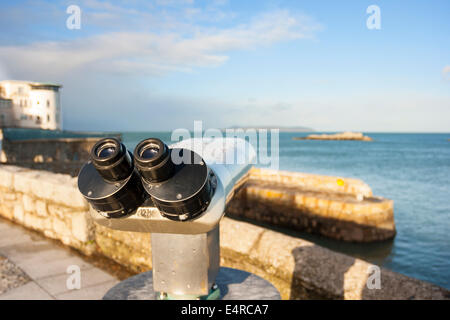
[[411, 169]]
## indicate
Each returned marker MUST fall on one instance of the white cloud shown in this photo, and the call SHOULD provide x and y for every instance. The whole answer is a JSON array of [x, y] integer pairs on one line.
[[173, 2], [153, 52], [446, 73]]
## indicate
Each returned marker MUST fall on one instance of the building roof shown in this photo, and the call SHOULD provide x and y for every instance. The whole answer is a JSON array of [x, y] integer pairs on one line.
[[33, 83], [45, 86]]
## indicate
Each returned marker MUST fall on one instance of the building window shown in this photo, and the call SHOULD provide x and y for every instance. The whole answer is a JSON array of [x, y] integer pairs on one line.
[[48, 118], [48, 104], [20, 90]]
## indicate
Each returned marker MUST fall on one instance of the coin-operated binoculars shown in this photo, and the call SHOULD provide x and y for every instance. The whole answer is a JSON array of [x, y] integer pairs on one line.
[[179, 195]]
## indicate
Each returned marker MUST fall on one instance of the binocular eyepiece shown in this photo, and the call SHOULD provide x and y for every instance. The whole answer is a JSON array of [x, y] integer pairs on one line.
[[153, 160], [111, 159], [116, 182]]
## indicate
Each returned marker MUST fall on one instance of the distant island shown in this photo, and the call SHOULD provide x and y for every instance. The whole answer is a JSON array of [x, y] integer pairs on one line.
[[337, 136], [282, 129]]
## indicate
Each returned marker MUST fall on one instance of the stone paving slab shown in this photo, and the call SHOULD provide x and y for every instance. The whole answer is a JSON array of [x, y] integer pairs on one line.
[[38, 268], [13, 236], [45, 266], [56, 285], [27, 251], [88, 293], [29, 291]]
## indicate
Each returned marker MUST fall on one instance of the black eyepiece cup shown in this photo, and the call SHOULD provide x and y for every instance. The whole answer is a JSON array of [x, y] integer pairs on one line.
[[111, 159], [153, 160]]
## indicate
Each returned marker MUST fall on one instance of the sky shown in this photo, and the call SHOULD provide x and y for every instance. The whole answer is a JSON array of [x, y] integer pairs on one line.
[[162, 64]]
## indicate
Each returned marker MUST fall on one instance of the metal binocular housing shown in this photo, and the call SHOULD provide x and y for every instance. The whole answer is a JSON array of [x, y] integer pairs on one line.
[[178, 194]]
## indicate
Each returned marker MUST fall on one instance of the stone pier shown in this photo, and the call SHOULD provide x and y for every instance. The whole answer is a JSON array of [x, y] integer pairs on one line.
[[335, 207]]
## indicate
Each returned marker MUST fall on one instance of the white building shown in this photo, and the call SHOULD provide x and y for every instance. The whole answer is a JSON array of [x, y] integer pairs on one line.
[[28, 104]]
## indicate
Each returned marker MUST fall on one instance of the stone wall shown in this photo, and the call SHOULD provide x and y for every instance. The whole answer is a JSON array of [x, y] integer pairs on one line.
[[299, 269], [55, 151], [56, 155], [47, 202], [50, 203]]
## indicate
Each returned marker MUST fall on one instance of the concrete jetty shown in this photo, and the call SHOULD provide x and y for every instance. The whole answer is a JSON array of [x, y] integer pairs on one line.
[[337, 136], [335, 207]]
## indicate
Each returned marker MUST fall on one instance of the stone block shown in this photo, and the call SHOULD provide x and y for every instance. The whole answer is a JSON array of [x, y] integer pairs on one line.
[[48, 223], [33, 222], [61, 228], [28, 203], [7, 175], [18, 212], [335, 208], [23, 180], [310, 202], [41, 208], [58, 188], [68, 241], [299, 200], [82, 226], [6, 178], [7, 211], [7, 195], [59, 211], [50, 234], [322, 207]]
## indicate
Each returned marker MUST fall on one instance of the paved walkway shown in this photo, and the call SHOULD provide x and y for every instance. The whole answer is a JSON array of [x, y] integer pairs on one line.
[[45, 268]]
